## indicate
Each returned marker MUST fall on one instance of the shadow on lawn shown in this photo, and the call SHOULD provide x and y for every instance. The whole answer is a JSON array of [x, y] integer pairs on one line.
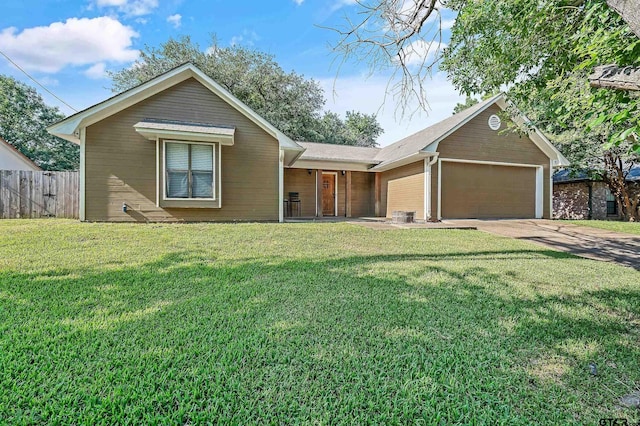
[[326, 339]]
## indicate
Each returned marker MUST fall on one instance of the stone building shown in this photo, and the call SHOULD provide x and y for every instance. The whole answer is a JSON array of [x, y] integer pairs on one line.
[[579, 197]]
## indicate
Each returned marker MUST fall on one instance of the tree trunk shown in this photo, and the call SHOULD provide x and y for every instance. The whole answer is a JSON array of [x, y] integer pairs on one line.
[[614, 77], [620, 188], [630, 12]]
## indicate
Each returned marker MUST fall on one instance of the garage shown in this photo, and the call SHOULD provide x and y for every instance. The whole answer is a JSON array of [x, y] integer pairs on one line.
[[481, 190]]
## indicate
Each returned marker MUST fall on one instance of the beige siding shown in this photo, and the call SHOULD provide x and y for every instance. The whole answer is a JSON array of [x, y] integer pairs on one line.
[[403, 189], [484, 191], [121, 164], [300, 181], [476, 141], [362, 195]]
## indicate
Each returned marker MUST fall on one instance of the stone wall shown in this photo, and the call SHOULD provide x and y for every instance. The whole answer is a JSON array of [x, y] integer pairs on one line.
[[599, 202], [571, 200]]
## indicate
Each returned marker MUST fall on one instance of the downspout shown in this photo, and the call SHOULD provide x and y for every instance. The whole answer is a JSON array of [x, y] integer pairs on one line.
[[428, 162]]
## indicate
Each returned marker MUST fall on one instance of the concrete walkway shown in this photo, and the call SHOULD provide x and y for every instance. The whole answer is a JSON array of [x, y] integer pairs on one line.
[[592, 243]]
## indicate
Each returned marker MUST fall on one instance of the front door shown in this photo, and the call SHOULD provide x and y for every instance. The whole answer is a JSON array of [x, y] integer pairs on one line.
[[328, 195]]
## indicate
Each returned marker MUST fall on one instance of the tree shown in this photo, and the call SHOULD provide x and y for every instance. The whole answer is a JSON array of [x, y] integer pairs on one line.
[[361, 129], [541, 51], [468, 103], [289, 101], [508, 43], [398, 35], [24, 118]]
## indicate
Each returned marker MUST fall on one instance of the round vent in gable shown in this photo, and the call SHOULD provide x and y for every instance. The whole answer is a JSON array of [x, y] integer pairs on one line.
[[494, 122]]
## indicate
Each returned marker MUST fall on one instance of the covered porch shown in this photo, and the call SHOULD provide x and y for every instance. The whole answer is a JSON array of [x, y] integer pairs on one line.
[[329, 193]]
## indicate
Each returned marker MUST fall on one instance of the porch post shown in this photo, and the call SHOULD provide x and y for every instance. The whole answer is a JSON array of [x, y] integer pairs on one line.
[[318, 193], [378, 188], [348, 194]]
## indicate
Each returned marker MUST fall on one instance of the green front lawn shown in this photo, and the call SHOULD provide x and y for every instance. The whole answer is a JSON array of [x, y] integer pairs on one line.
[[609, 225], [307, 323]]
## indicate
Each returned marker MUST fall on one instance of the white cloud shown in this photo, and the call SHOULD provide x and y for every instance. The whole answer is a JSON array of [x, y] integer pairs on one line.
[[48, 81], [421, 52], [74, 42], [298, 2], [368, 96], [97, 71], [247, 38], [175, 20], [339, 4], [130, 7], [447, 24]]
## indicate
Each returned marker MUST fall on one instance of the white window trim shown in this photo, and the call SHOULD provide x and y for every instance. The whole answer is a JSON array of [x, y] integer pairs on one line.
[[539, 197], [164, 170]]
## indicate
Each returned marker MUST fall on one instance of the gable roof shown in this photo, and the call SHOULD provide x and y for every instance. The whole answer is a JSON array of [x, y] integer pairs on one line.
[[425, 142], [419, 141], [21, 157], [69, 127]]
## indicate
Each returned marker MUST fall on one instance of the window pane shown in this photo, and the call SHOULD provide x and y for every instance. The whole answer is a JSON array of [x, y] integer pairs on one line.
[[177, 156], [177, 184], [610, 196], [202, 157], [202, 184]]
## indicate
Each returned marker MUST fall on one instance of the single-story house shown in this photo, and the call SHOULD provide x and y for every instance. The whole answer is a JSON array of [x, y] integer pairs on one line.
[[576, 195], [12, 159], [181, 147]]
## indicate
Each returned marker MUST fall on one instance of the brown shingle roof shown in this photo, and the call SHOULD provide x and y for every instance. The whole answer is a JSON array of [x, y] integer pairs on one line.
[[343, 153]]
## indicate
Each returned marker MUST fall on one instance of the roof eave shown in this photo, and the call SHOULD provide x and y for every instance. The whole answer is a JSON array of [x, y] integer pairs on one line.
[[408, 159]]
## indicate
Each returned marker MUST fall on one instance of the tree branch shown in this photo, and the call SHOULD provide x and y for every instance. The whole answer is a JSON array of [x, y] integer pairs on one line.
[[613, 77]]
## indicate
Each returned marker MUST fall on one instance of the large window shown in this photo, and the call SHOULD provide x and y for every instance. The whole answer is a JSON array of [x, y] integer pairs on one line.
[[189, 170], [612, 204]]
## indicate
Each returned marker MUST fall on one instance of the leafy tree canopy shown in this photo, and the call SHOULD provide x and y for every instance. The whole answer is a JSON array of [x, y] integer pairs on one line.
[[289, 101], [542, 53], [24, 118]]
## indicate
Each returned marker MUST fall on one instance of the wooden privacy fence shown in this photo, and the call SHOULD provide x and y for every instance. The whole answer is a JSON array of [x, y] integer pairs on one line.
[[26, 194]]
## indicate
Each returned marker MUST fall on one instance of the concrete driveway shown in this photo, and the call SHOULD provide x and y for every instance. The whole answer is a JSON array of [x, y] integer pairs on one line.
[[592, 243]]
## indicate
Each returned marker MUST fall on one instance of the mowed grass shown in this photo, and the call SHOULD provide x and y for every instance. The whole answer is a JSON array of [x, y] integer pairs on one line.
[[307, 323], [610, 225]]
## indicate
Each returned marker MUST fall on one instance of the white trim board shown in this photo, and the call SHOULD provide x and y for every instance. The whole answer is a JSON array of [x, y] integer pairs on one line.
[[281, 186], [83, 173], [539, 192]]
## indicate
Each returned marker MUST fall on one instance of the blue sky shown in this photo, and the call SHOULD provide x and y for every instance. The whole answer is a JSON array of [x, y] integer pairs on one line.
[[68, 44]]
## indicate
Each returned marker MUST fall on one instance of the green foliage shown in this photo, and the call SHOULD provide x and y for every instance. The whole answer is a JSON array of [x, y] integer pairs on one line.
[[24, 118], [468, 103], [538, 49], [542, 52], [307, 324], [289, 101]]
